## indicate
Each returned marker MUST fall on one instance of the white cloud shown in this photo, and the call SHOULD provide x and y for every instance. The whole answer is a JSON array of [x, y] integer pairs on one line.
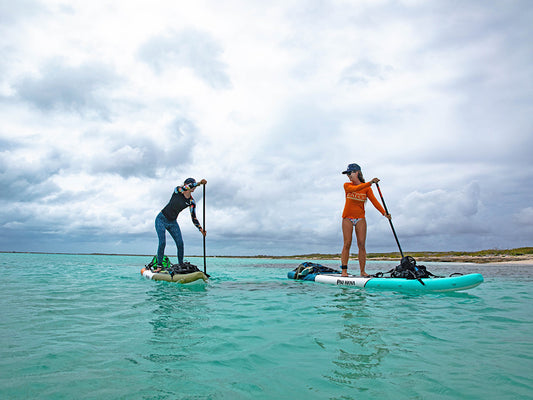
[[442, 212], [107, 106], [189, 48]]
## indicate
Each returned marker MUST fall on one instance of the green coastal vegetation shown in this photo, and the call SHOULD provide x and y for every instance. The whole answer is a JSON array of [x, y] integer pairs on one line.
[[481, 256]]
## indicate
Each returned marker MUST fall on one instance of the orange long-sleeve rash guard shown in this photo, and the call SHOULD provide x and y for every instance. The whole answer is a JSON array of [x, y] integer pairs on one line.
[[356, 196]]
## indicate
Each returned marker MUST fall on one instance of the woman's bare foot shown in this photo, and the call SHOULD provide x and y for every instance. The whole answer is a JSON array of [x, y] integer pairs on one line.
[[364, 275]]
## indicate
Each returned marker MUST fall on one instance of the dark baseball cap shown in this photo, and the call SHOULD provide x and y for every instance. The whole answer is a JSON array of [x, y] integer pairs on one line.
[[352, 168]]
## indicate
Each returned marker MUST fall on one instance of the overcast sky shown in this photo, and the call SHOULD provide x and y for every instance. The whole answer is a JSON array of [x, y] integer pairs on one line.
[[106, 106]]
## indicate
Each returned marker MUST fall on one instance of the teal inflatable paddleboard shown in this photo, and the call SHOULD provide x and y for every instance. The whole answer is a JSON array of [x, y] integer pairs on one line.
[[449, 284]]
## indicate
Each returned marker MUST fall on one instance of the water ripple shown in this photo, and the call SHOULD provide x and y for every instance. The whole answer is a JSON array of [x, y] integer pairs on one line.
[[92, 327]]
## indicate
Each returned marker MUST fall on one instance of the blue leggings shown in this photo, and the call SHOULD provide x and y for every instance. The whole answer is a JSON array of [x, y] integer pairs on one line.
[[162, 224]]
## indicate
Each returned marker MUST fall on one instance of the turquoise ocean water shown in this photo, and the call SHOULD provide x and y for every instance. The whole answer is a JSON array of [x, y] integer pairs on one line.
[[90, 327]]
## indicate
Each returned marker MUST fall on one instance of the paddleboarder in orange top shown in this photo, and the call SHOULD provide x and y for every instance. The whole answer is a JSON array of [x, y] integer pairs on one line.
[[353, 216]]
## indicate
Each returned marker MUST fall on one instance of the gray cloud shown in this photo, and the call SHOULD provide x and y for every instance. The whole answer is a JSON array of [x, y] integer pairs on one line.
[[183, 138], [13, 11], [63, 87], [143, 156], [24, 181], [191, 49], [127, 159], [440, 212], [364, 71]]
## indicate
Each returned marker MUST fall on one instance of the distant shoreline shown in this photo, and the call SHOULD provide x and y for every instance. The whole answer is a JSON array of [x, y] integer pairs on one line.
[[522, 255]]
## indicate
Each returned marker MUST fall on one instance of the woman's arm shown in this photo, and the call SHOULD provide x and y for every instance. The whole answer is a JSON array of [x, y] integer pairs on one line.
[[185, 188], [192, 209], [377, 204], [350, 187]]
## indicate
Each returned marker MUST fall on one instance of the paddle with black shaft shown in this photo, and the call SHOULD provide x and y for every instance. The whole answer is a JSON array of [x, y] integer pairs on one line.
[[393, 231], [390, 220], [203, 222]]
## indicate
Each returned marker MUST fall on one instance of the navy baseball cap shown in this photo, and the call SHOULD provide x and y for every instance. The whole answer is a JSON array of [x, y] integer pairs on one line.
[[352, 168], [188, 181]]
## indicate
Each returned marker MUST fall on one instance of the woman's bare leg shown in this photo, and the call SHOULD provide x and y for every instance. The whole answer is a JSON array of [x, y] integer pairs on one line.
[[360, 233], [347, 232]]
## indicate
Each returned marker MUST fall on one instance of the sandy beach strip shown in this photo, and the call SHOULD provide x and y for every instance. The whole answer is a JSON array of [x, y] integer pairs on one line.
[[489, 259]]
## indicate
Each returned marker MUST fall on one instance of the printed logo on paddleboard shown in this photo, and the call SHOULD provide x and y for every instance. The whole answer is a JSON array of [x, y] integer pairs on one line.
[[343, 282]]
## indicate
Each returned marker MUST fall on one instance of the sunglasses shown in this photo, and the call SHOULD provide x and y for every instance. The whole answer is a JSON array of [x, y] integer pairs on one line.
[[351, 172]]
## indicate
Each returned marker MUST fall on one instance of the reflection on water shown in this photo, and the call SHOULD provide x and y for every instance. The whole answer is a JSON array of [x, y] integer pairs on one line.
[[361, 346], [178, 316], [176, 309]]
